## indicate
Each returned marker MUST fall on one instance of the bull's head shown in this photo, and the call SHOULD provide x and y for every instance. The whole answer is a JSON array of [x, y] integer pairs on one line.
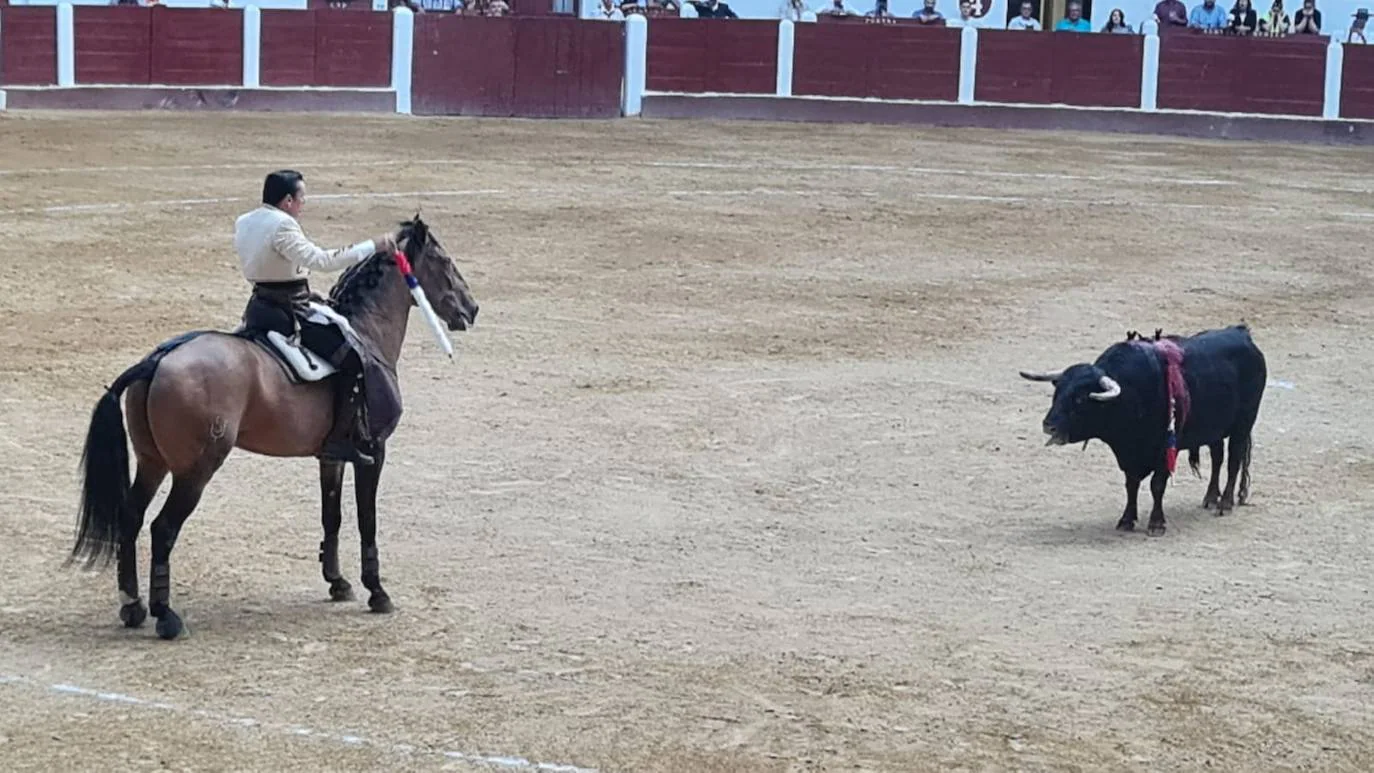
[[1080, 392]]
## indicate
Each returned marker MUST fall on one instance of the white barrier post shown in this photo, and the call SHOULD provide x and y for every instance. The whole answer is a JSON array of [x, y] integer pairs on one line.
[[636, 64], [1149, 68], [66, 45], [252, 47], [968, 64], [787, 46], [2, 100], [402, 56], [1335, 74]]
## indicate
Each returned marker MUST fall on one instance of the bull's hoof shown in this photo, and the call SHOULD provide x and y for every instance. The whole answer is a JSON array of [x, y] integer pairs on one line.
[[1156, 530], [341, 590], [133, 614]]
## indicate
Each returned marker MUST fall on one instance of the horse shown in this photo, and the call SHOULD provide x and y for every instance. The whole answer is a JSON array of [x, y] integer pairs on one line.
[[198, 396]]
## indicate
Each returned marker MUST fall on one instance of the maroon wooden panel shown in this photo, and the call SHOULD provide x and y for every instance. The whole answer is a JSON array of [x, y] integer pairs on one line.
[[1357, 86], [567, 68], [28, 46], [463, 66], [1242, 75], [113, 44], [876, 60], [1069, 69], [287, 48], [352, 49], [731, 56], [536, 67], [197, 46]]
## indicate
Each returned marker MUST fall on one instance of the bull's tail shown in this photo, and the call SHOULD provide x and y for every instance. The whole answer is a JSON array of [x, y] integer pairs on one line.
[[105, 465], [1194, 460], [1245, 470]]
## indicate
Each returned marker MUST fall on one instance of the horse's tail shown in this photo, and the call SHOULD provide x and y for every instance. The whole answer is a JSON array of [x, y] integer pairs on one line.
[[105, 464], [105, 472]]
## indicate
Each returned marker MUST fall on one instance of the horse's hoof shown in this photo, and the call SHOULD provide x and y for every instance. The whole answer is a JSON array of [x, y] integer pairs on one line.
[[133, 614], [1125, 525], [169, 626], [1156, 530], [341, 590], [380, 603]]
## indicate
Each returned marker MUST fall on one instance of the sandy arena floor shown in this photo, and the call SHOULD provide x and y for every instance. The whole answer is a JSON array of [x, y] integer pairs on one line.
[[735, 473]]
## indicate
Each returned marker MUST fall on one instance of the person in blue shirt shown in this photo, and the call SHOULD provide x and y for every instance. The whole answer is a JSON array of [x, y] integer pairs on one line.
[[1208, 16], [1074, 21]]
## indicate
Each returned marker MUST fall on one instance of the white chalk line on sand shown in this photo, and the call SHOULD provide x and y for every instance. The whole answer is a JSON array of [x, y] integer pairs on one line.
[[229, 720], [697, 193], [721, 165]]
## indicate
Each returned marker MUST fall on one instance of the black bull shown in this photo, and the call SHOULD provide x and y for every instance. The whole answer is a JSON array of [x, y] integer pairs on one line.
[[1122, 399]]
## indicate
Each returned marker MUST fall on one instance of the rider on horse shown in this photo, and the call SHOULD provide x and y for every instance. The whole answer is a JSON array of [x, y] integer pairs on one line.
[[277, 258]]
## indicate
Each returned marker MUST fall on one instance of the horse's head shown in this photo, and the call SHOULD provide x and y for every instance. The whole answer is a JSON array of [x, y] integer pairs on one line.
[[445, 288]]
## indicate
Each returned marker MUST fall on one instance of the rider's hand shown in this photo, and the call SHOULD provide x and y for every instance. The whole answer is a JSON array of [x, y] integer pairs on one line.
[[385, 243]]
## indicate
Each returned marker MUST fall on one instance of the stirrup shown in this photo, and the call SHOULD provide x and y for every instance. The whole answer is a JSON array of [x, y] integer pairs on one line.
[[343, 451]]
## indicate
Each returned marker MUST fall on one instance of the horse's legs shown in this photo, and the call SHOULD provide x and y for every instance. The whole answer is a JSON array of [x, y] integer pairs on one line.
[[150, 475], [184, 497], [331, 491], [365, 483]]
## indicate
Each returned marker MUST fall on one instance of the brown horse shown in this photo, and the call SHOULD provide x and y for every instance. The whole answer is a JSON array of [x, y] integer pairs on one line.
[[198, 396]]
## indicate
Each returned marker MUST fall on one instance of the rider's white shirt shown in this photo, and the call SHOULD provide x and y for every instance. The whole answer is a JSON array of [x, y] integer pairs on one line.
[[272, 248]]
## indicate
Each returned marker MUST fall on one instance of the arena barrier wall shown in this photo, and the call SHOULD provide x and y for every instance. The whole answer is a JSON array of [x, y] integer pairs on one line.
[[727, 56], [1357, 91], [558, 66], [537, 67]]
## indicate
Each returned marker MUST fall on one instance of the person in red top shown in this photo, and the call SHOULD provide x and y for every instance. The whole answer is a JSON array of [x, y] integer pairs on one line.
[[1171, 15]]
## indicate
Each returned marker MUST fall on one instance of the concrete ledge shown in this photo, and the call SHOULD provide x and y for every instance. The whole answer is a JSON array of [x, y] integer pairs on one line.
[[214, 98], [1171, 123]]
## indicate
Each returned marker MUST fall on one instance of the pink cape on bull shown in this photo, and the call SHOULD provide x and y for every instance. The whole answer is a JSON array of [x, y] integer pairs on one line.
[[1179, 402]]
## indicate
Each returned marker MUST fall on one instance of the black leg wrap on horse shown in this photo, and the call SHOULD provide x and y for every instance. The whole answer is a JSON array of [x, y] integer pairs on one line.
[[329, 557], [160, 591], [371, 569]]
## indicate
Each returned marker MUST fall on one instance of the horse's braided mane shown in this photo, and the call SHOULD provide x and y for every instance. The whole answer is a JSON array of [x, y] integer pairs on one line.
[[354, 291]]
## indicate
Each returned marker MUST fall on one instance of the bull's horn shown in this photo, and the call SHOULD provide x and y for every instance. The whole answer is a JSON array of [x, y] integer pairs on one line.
[[1046, 376], [1113, 390]]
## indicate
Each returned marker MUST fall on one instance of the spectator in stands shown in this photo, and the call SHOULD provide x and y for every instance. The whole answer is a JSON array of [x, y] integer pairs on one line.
[[1208, 16], [607, 12], [1027, 20], [664, 8], [1073, 20], [928, 16], [1116, 24], [497, 8], [837, 8], [880, 11], [1171, 15], [1308, 20], [966, 17], [792, 10], [1277, 22], [1357, 26], [440, 6], [712, 9], [1244, 21], [630, 7]]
